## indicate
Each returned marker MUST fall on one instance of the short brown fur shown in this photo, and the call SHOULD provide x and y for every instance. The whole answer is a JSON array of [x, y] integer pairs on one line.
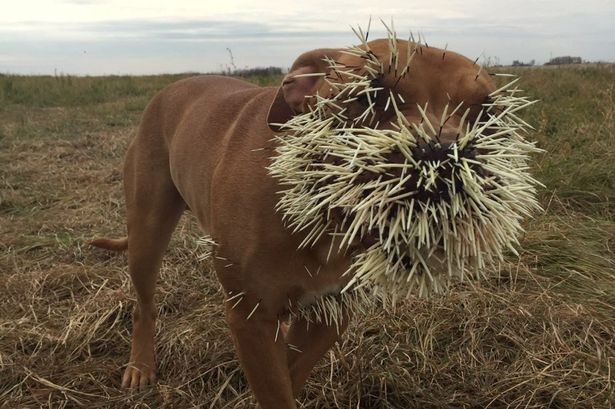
[[204, 143]]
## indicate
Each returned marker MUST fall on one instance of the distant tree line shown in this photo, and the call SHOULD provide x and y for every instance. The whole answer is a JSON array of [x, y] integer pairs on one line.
[[258, 71], [563, 60], [517, 63]]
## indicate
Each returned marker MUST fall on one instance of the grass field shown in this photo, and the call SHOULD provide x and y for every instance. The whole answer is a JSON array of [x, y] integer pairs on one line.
[[540, 333]]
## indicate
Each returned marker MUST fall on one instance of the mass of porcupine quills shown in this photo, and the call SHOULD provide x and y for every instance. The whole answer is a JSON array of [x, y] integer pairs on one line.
[[431, 213], [437, 212]]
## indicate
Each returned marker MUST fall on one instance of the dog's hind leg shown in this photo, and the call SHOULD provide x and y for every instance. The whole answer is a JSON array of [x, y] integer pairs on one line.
[[153, 208]]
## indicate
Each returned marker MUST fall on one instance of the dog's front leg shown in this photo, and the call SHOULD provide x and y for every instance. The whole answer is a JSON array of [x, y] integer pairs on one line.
[[263, 359], [313, 340]]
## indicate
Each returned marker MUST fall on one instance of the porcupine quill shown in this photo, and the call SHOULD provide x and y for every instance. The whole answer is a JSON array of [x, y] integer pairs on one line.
[[432, 211]]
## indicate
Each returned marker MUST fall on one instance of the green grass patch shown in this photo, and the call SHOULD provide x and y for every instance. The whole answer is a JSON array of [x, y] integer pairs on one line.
[[575, 125], [69, 91]]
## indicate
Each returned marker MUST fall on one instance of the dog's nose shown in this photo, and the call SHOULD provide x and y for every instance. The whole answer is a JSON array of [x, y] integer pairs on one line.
[[432, 150], [440, 148]]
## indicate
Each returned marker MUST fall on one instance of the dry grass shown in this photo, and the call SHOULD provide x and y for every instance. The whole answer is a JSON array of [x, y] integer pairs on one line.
[[541, 334]]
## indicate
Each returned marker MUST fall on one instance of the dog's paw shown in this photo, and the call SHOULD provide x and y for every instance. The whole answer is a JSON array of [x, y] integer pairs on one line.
[[138, 376]]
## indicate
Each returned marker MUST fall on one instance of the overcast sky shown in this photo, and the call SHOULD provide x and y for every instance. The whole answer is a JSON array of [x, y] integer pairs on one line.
[[154, 36]]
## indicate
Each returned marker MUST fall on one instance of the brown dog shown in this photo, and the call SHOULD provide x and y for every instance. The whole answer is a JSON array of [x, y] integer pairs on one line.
[[204, 143]]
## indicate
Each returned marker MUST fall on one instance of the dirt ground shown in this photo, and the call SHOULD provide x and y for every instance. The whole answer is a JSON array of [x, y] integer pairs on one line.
[[539, 333]]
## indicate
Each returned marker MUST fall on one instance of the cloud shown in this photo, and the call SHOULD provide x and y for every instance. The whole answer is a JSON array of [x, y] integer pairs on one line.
[[197, 30], [276, 35], [83, 2]]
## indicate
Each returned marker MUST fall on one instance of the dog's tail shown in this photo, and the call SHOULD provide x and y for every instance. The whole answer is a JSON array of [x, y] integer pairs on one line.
[[110, 244]]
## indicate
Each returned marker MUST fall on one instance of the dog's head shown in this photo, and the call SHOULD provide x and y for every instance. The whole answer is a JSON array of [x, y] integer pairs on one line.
[[415, 75], [407, 149]]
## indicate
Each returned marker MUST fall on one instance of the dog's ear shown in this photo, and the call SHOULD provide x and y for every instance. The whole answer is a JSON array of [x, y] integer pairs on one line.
[[298, 83]]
